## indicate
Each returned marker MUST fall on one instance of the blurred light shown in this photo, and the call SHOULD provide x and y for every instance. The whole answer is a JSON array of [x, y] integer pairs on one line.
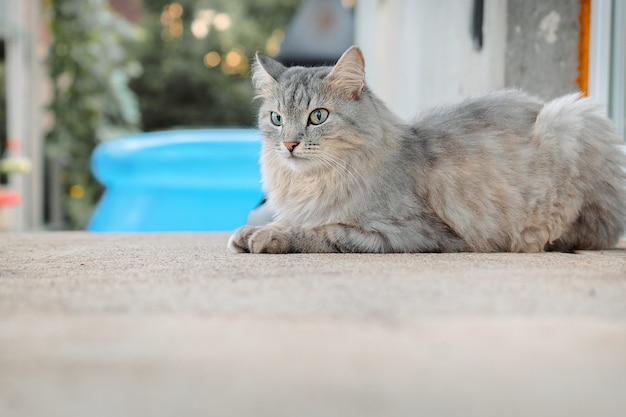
[[175, 10], [199, 29], [212, 59], [77, 191], [171, 17], [176, 28], [235, 62], [201, 25], [272, 46], [348, 4], [222, 22], [166, 19], [206, 15], [233, 59]]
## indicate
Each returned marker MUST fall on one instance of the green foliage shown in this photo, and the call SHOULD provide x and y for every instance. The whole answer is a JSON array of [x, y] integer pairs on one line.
[[177, 88], [110, 77], [89, 69]]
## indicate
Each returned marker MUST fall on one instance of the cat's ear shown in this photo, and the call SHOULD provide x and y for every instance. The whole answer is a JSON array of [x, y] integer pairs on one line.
[[348, 75], [265, 72]]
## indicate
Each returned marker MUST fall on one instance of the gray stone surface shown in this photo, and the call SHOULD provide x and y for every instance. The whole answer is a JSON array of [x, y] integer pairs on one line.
[[173, 324], [542, 46]]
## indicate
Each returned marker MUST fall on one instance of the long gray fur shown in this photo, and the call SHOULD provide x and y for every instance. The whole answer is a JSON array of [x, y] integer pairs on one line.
[[499, 172]]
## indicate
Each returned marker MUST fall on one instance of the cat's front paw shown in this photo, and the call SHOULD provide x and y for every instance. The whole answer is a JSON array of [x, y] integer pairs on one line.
[[270, 239], [273, 238], [238, 242]]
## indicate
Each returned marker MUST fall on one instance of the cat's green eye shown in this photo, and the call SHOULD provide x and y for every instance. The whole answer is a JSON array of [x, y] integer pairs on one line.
[[318, 116], [277, 119]]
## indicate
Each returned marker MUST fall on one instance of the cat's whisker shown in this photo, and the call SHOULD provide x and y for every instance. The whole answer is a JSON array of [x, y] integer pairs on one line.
[[332, 161], [358, 175]]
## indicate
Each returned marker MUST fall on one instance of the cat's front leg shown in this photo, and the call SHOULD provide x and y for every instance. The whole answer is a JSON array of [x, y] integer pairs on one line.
[[279, 238], [273, 238]]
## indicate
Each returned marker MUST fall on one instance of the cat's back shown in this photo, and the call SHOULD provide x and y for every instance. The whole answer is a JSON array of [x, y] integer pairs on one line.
[[508, 172], [506, 110], [491, 128]]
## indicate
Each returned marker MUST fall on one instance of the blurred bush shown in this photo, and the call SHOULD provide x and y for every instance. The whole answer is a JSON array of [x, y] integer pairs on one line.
[[89, 67], [195, 57], [184, 64]]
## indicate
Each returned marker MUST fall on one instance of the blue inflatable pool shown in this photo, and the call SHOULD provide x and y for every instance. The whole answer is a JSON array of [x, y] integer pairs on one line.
[[180, 180]]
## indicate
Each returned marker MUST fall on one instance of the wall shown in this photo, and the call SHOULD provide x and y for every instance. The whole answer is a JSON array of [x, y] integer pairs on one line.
[[420, 53], [542, 46]]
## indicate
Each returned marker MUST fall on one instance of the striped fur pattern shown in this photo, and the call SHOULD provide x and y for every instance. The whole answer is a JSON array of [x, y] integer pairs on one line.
[[502, 172]]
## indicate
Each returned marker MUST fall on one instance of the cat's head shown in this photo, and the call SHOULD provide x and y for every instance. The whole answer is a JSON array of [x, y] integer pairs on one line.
[[314, 117]]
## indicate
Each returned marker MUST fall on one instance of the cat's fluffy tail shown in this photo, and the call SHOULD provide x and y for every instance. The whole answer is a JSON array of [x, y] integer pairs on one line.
[[590, 182]]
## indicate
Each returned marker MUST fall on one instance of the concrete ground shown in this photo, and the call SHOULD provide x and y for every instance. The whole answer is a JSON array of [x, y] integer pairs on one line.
[[174, 325]]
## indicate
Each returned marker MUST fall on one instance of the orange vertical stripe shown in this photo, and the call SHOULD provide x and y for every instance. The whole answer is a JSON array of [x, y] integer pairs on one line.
[[584, 19]]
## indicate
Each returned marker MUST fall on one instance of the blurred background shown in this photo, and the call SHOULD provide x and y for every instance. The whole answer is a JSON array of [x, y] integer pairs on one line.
[[77, 73]]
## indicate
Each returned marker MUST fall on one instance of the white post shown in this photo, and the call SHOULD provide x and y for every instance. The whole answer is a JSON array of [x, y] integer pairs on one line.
[[600, 52], [15, 70], [33, 119], [618, 90], [23, 122]]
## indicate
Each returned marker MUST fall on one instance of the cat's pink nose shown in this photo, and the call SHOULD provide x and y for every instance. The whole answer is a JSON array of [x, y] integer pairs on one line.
[[291, 145]]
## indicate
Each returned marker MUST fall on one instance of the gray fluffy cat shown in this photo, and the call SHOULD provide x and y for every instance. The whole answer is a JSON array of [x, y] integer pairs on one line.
[[500, 172]]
